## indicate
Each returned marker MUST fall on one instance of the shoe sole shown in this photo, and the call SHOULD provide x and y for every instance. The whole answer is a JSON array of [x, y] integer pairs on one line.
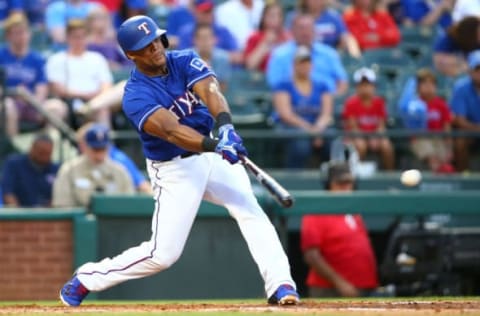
[[289, 300], [65, 302]]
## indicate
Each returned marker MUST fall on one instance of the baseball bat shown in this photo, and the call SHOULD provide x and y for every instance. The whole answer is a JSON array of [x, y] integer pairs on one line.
[[280, 194], [26, 95]]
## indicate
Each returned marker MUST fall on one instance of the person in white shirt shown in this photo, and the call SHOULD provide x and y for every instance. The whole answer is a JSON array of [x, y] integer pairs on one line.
[[78, 75], [240, 17], [464, 8]]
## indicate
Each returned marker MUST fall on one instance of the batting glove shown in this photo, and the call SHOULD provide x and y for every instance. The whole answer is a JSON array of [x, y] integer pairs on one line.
[[230, 145]]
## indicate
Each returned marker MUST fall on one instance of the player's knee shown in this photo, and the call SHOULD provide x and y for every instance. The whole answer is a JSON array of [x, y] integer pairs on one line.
[[164, 260]]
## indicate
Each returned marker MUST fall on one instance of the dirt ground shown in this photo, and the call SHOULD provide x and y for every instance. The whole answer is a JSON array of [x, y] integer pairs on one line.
[[307, 307]]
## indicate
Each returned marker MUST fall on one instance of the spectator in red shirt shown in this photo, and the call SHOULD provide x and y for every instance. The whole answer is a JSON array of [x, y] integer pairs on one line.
[[436, 151], [371, 25], [337, 248], [365, 112], [270, 34]]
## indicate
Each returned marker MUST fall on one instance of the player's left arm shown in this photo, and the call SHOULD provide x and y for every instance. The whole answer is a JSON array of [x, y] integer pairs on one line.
[[208, 89], [230, 143]]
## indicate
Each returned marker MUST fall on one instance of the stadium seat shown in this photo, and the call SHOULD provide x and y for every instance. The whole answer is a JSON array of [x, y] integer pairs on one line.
[[422, 35]]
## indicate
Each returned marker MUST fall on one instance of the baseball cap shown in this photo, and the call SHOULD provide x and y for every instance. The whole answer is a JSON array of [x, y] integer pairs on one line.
[[340, 172], [473, 59], [364, 73], [302, 53], [97, 136], [139, 31], [204, 5]]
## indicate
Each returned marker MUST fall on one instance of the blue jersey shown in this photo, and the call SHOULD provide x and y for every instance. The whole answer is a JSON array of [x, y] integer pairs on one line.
[[306, 106], [27, 70], [144, 95]]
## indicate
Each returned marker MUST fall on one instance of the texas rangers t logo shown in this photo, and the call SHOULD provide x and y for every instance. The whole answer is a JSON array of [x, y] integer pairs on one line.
[[144, 27]]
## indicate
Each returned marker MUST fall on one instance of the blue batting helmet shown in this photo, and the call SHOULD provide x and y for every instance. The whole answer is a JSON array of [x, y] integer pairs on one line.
[[139, 31]]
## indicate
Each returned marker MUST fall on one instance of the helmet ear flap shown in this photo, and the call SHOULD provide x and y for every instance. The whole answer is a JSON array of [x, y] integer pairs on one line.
[[164, 40]]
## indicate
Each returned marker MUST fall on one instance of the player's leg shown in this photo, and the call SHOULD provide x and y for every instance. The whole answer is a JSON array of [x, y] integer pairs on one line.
[[171, 223], [230, 186]]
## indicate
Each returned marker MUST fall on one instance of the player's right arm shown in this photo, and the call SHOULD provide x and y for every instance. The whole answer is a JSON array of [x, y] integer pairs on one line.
[[163, 124]]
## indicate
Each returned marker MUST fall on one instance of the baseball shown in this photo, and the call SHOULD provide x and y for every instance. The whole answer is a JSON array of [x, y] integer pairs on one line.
[[411, 177]]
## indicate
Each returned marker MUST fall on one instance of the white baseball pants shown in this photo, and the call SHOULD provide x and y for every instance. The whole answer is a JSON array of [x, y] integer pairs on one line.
[[179, 186]]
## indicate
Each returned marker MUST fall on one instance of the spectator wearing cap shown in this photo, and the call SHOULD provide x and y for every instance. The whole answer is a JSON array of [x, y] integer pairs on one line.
[[428, 111], [91, 172], [24, 69], [326, 63], [203, 13], [371, 25], [140, 183], [240, 17], [336, 247], [303, 104], [365, 112], [27, 179], [465, 103]]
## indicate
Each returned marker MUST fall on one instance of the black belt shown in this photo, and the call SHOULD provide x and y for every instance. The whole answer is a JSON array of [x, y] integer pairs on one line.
[[184, 155], [188, 154]]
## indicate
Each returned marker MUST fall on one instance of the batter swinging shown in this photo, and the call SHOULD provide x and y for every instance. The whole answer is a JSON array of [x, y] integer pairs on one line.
[[172, 98]]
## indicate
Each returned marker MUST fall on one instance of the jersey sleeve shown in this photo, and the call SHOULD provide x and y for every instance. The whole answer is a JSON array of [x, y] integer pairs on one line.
[[195, 69], [139, 104], [282, 86]]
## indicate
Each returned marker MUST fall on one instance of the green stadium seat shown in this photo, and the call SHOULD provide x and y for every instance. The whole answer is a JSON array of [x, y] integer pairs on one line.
[[418, 34]]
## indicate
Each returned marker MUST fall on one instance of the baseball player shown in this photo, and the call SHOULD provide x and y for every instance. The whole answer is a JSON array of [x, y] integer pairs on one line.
[[173, 100]]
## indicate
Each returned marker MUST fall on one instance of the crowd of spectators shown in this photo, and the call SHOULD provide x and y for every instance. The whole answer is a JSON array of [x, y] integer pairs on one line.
[[314, 56]]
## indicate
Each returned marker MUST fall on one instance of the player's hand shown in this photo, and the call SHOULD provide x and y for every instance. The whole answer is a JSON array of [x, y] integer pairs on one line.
[[230, 145]]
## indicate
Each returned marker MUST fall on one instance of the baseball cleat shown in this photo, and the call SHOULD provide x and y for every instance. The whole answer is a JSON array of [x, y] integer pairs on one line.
[[284, 295], [73, 292]]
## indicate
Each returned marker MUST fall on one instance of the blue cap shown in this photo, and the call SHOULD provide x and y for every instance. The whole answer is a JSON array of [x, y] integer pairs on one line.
[[137, 32], [473, 59], [97, 136]]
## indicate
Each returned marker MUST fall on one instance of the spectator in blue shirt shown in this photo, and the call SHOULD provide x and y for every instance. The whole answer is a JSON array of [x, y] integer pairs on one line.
[[60, 12], [24, 68], [303, 104], [329, 26], [428, 12], [451, 47], [27, 179], [465, 103], [203, 13], [177, 18], [326, 63]]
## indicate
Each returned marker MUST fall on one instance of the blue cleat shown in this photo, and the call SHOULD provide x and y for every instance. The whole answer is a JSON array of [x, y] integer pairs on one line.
[[73, 292], [284, 295]]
